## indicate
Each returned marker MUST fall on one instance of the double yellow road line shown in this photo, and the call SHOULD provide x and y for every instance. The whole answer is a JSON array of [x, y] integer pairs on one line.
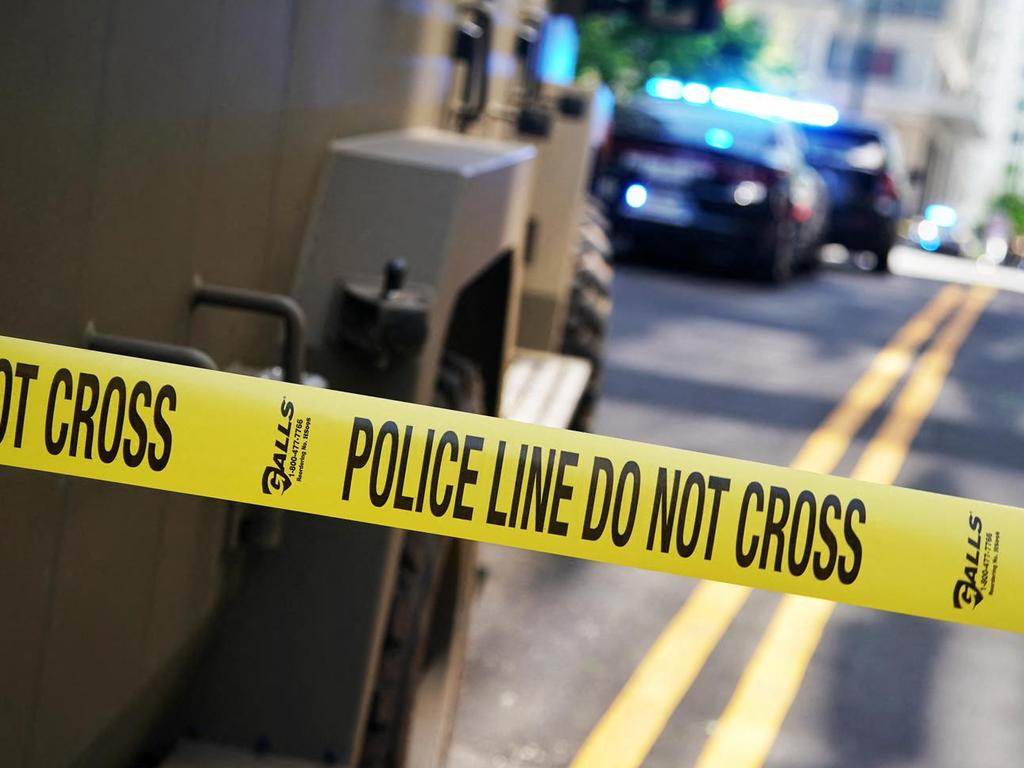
[[752, 719]]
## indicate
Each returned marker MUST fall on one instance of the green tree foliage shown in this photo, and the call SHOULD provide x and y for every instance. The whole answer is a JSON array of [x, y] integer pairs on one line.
[[625, 53], [1013, 206]]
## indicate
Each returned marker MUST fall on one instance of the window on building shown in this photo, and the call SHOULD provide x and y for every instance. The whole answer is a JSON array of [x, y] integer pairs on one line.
[[849, 60], [930, 9]]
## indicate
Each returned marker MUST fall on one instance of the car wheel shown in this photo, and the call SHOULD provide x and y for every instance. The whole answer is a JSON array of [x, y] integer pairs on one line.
[[412, 709], [811, 260], [882, 259], [779, 257], [590, 306]]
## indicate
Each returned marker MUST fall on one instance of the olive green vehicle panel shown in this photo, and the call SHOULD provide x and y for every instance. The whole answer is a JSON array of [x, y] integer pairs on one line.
[[146, 141], [290, 664], [143, 143], [564, 161]]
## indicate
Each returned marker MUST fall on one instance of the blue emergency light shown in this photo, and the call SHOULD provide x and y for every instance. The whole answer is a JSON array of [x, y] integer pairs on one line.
[[941, 215], [559, 50], [719, 138], [757, 103]]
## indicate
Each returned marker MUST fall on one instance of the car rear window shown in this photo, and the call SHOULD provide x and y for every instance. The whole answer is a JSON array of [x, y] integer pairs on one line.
[[704, 126], [855, 148]]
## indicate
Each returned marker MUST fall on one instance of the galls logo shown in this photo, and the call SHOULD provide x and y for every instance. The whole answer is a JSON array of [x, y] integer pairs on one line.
[[966, 590], [275, 479]]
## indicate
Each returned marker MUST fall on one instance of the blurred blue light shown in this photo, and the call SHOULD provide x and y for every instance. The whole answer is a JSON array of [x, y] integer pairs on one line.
[[665, 88], [674, 90], [559, 49], [696, 93], [756, 103], [636, 195], [748, 102], [812, 113], [941, 215], [930, 245], [719, 138], [927, 231], [773, 106]]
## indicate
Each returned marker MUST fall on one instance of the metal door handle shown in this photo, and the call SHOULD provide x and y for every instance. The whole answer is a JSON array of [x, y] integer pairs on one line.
[[293, 360]]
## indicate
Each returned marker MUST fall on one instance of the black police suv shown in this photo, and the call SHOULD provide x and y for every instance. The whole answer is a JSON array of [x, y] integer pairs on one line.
[[862, 165], [693, 179]]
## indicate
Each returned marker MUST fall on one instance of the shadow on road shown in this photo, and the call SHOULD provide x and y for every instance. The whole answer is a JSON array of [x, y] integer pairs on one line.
[[982, 419], [682, 395], [880, 687], [833, 309], [694, 261], [882, 679]]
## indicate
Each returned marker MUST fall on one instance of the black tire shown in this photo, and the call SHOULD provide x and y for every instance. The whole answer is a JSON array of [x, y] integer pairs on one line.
[[778, 259], [460, 385], [412, 709], [810, 258], [590, 308], [811, 263], [881, 265]]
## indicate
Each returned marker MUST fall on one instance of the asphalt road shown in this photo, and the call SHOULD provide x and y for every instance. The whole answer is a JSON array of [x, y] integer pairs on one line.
[[735, 368]]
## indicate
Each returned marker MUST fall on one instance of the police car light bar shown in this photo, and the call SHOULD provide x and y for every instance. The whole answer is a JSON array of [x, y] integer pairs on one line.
[[744, 101]]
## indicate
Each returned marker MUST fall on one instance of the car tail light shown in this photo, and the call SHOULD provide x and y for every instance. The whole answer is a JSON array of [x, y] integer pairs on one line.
[[887, 187], [802, 212], [887, 196]]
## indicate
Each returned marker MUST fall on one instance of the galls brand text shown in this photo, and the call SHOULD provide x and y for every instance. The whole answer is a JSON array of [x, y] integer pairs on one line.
[[288, 460]]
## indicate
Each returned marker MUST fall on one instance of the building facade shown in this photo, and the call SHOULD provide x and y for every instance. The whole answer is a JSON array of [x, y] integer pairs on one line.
[[948, 75]]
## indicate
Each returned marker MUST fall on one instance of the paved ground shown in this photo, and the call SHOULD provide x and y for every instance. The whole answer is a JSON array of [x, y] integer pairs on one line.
[[747, 371]]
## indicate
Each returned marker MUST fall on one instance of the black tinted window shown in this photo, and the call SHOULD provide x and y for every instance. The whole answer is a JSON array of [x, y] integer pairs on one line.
[[678, 122], [856, 148]]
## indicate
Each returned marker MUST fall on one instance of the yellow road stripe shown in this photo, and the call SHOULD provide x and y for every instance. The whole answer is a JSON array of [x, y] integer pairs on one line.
[[752, 719], [824, 449], [882, 460], [637, 716], [632, 724]]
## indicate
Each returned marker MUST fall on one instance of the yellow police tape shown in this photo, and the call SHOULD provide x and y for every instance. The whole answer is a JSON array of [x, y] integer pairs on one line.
[[156, 425]]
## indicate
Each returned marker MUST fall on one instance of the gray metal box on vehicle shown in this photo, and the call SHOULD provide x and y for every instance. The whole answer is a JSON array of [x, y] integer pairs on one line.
[[292, 659], [446, 204]]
